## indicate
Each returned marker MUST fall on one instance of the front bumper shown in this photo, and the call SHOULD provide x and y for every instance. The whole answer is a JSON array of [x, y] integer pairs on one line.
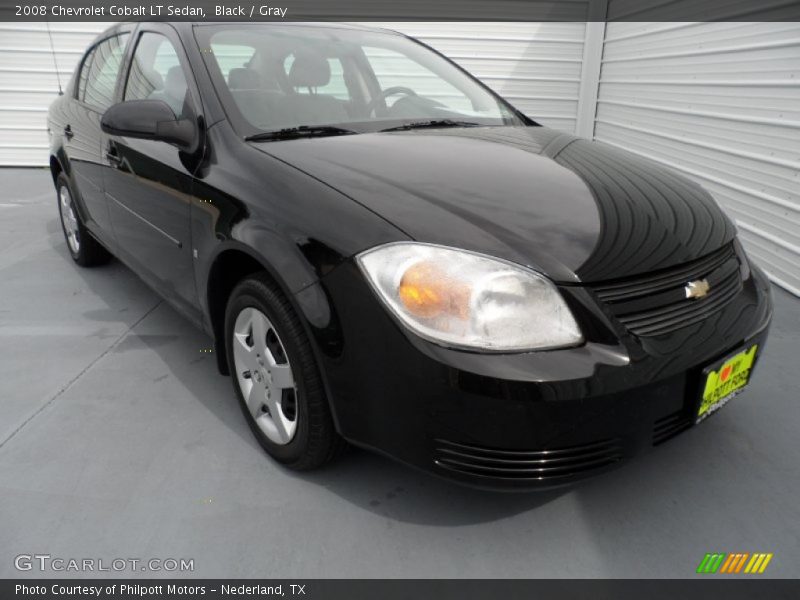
[[520, 421]]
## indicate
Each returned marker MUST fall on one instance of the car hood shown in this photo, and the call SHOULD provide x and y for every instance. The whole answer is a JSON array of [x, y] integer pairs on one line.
[[573, 209]]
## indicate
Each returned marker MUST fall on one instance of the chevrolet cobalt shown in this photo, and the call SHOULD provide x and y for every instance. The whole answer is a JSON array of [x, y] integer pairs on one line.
[[388, 253]]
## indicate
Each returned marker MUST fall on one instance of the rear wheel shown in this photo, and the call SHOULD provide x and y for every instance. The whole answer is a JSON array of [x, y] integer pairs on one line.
[[84, 249], [276, 377]]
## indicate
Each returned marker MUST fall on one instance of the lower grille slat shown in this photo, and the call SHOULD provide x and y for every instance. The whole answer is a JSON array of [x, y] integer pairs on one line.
[[530, 471], [519, 461], [668, 427], [556, 463]]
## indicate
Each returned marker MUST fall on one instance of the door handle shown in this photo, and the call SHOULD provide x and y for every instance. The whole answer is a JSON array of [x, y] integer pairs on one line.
[[68, 132]]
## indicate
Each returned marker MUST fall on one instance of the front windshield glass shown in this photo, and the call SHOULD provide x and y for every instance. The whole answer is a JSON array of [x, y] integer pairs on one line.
[[272, 77]]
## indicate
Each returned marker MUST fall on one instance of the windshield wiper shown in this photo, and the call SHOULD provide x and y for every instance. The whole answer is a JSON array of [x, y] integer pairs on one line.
[[433, 124], [292, 133]]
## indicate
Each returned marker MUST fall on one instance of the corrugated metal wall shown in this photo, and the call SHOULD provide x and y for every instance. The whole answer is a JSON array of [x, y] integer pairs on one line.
[[719, 102]]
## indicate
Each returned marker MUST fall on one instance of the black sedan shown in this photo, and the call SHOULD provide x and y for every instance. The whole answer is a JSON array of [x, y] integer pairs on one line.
[[386, 252]]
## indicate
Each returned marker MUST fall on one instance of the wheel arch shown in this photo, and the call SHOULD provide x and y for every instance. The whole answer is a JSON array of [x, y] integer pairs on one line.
[[56, 168], [228, 267], [311, 304]]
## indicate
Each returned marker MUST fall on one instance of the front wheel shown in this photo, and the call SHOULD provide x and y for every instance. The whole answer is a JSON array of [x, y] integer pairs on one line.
[[276, 377], [84, 249]]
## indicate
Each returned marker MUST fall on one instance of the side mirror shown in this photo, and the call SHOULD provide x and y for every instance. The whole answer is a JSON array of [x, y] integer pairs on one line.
[[149, 120]]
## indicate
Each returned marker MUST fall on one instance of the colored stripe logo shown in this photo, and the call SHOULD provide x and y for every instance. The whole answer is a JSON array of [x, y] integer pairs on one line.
[[734, 563]]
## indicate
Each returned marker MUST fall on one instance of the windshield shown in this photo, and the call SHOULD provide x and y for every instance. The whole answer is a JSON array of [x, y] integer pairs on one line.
[[274, 77]]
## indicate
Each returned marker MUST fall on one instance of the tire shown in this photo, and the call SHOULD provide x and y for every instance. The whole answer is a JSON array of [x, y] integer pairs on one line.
[[278, 383], [84, 249]]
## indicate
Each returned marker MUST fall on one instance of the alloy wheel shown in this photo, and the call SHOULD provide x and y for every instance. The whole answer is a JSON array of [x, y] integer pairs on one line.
[[68, 220], [265, 375]]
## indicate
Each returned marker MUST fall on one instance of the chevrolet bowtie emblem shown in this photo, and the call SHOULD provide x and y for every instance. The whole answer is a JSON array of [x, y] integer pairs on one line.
[[697, 289]]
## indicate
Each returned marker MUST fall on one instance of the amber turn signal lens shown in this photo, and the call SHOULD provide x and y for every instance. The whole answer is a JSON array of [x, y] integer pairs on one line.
[[426, 291]]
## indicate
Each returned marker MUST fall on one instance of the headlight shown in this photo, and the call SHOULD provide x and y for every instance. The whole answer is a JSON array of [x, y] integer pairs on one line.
[[462, 299]]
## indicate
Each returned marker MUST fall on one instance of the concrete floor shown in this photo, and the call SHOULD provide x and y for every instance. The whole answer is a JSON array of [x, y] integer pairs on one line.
[[119, 439]]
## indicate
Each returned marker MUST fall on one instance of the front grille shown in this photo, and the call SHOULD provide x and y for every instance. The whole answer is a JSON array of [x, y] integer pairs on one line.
[[668, 427], [656, 303], [540, 465]]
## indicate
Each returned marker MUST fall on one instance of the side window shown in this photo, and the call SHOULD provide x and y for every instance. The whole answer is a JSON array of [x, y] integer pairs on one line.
[[103, 69], [156, 73]]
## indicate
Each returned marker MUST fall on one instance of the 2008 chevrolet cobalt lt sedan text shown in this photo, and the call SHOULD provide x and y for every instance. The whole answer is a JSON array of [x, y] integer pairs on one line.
[[387, 252]]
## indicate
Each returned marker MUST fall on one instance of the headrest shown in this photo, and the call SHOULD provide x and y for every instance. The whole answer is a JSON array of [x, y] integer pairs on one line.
[[175, 83], [243, 78], [309, 69]]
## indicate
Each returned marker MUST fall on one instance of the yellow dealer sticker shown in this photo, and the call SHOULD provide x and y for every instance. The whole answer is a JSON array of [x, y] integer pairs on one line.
[[726, 381]]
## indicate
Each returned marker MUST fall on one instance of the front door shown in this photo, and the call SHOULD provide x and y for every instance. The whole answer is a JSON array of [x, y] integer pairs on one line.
[[148, 183]]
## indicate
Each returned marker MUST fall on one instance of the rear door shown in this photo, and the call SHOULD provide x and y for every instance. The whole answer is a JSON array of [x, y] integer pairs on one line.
[[148, 183], [93, 94]]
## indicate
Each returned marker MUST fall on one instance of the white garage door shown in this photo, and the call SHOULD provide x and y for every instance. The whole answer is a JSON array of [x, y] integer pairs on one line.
[[536, 65], [719, 102]]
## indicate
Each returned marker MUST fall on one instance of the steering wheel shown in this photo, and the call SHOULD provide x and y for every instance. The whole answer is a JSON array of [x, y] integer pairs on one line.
[[390, 91]]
